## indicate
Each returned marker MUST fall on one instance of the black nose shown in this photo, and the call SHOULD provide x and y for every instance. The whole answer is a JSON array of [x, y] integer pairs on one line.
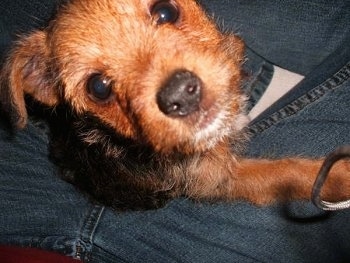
[[180, 95]]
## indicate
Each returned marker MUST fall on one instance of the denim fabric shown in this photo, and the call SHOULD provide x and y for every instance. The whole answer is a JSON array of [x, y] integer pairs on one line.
[[258, 74], [18, 17], [40, 210], [310, 120], [29, 190], [293, 34], [4, 37]]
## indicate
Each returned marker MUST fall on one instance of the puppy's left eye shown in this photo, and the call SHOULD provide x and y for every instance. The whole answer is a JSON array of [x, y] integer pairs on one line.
[[165, 12], [99, 87]]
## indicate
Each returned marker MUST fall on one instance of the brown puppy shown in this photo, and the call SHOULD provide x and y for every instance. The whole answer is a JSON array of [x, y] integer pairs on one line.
[[149, 92]]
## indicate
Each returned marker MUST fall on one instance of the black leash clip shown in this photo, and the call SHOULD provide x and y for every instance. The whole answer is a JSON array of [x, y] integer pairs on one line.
[[331, 159]]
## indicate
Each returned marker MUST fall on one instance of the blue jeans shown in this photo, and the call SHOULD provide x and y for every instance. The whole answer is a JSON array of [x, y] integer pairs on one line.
[[40, 210]]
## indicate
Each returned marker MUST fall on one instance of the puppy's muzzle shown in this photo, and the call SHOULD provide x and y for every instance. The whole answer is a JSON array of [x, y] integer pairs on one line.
[[180, 95]]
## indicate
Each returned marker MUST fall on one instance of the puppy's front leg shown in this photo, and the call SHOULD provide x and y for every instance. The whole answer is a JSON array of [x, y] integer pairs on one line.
[[262, 181]]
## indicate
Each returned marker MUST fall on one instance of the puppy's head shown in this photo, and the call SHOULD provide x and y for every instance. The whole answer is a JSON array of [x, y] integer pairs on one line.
[[155, 71]]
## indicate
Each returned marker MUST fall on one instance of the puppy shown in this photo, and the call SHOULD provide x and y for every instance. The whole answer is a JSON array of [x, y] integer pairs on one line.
[[146, 107]]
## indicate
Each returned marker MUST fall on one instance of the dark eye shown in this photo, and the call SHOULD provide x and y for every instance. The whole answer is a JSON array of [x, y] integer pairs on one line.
[[99, 87], [165, 12]]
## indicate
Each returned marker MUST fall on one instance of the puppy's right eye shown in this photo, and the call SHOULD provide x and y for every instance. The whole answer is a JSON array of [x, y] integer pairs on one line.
[[99, 88], [165, 12]]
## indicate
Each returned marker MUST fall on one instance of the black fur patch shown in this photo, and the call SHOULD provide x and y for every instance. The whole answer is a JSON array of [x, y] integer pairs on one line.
[[113, 170]]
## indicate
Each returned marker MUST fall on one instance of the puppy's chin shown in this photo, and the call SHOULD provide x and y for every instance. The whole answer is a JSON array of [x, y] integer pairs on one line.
[[201, 132], [213, 127]]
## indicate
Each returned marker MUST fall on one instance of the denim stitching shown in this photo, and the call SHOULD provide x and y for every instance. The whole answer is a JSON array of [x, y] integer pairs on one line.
[[259, 84], [291, 109], [85, 243]]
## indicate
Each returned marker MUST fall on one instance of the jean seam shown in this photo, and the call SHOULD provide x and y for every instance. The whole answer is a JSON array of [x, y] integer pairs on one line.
[[85, 242], [259, 85], [297, 105]]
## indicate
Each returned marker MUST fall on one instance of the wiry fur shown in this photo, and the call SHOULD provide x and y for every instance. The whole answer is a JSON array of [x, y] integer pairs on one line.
[[125, 152]]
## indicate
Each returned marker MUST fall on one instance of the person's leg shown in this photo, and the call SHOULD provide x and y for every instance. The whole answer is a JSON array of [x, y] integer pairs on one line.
[[295, 35], [42, 211], [38, 209]]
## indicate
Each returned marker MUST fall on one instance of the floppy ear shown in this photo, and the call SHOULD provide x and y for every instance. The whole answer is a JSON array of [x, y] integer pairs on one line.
[[27, 71]]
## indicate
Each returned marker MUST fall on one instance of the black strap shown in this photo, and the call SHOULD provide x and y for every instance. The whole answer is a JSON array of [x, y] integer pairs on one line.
[[331, 159]]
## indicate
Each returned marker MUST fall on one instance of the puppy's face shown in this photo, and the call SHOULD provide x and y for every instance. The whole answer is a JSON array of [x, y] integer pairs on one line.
[[155, 71]]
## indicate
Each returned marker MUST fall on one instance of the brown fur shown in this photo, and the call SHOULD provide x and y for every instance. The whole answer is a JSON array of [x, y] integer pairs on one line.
[[189, 155]]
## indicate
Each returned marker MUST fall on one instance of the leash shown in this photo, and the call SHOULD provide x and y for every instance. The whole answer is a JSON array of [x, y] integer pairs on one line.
[[331, 159]]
